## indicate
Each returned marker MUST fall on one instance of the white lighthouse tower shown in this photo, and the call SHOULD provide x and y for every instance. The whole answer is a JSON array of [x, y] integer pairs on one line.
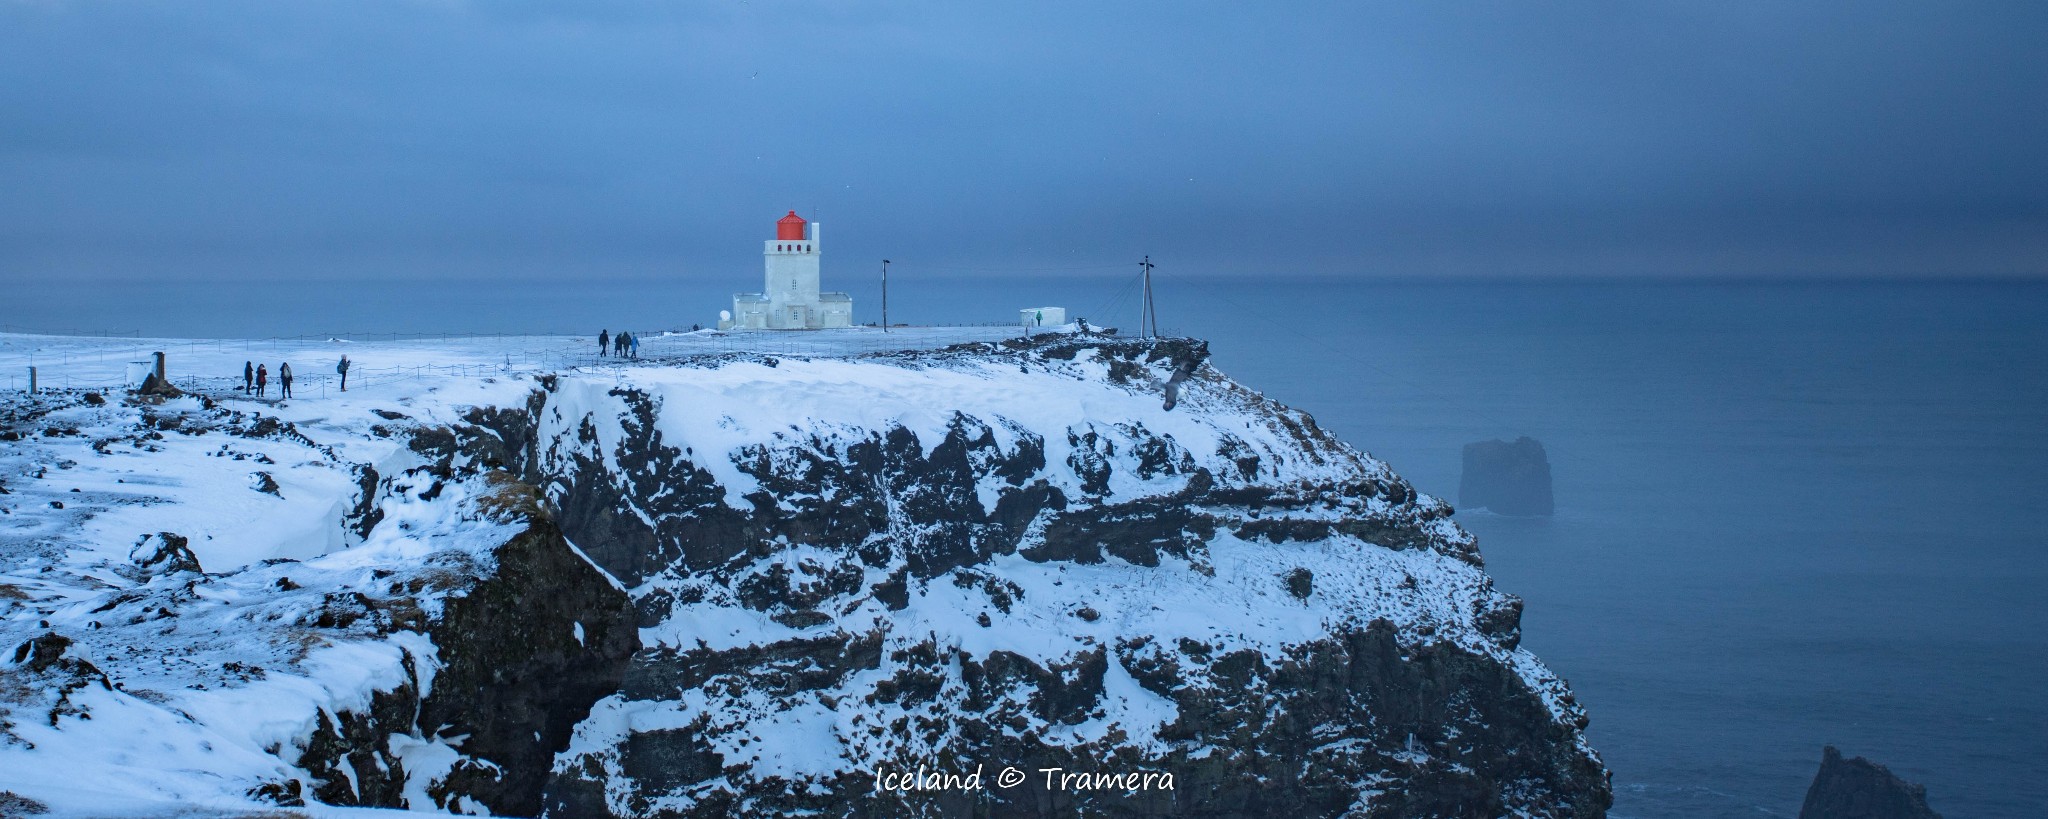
[[789, 298]]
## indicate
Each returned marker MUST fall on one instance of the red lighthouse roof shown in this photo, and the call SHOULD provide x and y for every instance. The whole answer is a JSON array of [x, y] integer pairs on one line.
[[789, 228]]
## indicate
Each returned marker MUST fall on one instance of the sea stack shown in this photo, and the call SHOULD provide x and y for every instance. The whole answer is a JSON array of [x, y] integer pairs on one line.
[[1507, 478], [1861, 789]]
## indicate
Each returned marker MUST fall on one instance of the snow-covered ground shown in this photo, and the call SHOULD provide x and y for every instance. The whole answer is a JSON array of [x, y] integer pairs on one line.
[[212, 678], [204, 701], [88, 362], [197, 707]]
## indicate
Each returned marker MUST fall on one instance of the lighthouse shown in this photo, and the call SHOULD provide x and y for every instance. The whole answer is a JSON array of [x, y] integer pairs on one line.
[[789, 297]]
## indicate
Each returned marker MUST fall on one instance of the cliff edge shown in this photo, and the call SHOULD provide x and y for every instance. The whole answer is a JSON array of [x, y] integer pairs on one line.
[[1074, 575]]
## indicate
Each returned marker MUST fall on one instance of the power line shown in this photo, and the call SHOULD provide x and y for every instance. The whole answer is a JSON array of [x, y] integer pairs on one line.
[[945, 268], [1116, 301]]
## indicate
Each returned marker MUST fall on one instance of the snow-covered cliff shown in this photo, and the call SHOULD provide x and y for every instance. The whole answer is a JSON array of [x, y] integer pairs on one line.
[[864, 584]]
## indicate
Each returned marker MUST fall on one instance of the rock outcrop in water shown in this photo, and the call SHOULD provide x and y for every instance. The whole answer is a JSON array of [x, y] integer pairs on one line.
[[1506, 478], [862, 586], [1861, 789]]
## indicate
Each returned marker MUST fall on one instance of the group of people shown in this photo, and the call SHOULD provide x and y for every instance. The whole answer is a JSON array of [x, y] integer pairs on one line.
[[623, 345], [256, 378]]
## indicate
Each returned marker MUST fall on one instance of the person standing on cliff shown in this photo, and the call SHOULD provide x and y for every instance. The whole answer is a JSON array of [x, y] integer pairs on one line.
[[634, 343], [248, 377], [262, 379], [284, 380], [604, 339], [343, 369]]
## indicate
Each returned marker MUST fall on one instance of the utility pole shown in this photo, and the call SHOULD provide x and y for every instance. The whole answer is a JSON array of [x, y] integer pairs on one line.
[[1149, 312], [885, 295]]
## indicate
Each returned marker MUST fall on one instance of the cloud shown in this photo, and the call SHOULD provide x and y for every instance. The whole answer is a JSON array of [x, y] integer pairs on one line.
[[1467, 139]]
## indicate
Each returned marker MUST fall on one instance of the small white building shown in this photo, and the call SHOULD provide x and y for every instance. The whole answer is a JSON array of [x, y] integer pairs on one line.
[[789, 297], [1044, 316]]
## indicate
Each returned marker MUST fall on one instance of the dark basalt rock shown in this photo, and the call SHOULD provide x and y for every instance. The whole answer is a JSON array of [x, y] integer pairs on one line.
[[155, 386], [265, 426], [42, 653], [1274, 723], [165, 553], [1861, 789], [14, 804], [365, 514], [1507, 478], [44, 671], [1300, 582], [515, 676], [1438, 729], [514, 668]]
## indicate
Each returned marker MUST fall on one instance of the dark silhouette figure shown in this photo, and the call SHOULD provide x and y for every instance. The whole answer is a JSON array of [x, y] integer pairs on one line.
[[248, 377], [262, 379], [284, 379], [619, 344], [343, 369], [604, 339]]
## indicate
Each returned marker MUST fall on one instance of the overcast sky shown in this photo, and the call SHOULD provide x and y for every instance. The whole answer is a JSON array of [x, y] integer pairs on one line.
[[409, 140]]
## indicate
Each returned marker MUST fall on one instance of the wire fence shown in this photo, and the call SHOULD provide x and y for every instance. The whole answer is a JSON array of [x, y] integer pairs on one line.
[[73, 331], [110, 363]]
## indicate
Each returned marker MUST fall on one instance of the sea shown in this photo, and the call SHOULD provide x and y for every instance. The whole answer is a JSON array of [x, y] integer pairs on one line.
[[1789, 515]]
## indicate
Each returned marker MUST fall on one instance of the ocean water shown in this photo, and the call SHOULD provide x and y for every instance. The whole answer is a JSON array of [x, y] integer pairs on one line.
[[1788, 515]]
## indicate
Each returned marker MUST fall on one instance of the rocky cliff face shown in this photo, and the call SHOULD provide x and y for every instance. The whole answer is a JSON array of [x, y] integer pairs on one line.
[[1012, 557], [523, 651], [1069, 576], [440, 662]]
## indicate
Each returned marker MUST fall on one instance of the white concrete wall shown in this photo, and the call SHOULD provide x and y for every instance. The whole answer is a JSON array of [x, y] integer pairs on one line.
[[835, 314], [749, 314]]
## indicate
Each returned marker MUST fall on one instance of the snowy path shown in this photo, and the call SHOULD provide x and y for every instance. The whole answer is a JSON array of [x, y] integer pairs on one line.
[[214, 366]]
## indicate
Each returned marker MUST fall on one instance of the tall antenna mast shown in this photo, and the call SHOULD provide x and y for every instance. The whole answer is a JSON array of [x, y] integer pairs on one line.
[[885, 295], [1149, 312]]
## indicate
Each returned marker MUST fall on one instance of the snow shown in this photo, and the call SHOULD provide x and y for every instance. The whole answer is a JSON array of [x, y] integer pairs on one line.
[[426, 761], [182, 728], [182, 731]]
